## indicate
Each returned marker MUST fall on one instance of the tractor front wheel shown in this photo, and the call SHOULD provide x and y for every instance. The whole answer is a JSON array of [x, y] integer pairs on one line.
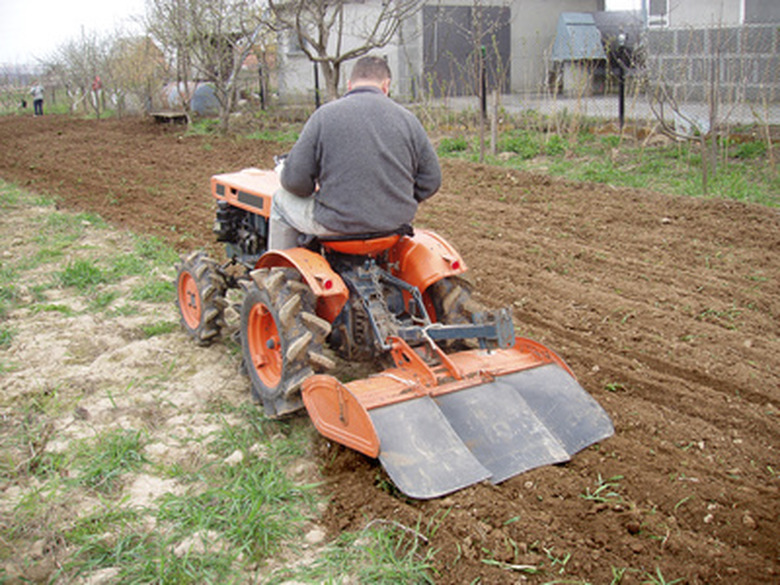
[[281, 338], [200, 296]]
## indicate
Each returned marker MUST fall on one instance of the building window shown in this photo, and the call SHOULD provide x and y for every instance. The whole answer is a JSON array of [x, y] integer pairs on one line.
[[658, 13], [760, 11]]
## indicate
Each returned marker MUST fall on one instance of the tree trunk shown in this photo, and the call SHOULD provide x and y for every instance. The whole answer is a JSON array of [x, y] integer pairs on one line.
[[330, 72]]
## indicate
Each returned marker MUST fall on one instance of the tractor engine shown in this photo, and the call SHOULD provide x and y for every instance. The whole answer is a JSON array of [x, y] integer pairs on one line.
[[245, 234]]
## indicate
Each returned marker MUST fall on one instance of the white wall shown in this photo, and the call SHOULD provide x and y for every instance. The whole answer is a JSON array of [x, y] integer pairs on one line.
[[704, 13], [533, 25]]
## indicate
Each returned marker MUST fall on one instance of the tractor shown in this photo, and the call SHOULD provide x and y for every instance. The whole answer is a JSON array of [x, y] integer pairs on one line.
[[455, 399]]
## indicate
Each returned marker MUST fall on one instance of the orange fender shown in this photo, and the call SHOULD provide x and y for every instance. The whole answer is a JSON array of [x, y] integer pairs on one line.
[[328, 287], [425, 258]]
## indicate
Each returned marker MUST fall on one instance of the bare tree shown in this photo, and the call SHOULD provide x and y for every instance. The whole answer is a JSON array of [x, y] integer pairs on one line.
[[76, 64], [332, 32], [207, 40], [466, 46], [135, 70], [695, 96]]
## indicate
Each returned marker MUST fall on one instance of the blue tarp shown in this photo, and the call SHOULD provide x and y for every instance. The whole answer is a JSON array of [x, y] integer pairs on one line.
[[202, 98]]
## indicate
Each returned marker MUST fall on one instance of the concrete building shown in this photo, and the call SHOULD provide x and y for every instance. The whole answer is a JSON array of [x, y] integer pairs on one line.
[[437, 51]]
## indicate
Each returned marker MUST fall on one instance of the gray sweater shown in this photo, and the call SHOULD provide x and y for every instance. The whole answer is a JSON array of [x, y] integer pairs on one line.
[[372, 160]]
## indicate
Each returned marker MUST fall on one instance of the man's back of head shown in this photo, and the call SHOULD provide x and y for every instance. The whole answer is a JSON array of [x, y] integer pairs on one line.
[[370, 69]]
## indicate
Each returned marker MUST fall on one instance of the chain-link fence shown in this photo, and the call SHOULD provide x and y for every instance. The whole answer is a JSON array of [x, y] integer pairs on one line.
[[687, 78]]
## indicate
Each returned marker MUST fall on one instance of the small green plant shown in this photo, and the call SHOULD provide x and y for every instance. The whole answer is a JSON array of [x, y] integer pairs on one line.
[[605, 490], [614, 387], [658, 578], [253, 506]]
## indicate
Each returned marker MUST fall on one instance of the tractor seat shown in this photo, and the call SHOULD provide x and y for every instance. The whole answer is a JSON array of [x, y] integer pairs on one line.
[[362, 247], [365, 244]]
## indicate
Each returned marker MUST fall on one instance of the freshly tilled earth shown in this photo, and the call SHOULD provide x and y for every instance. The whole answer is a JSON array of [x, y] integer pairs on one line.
[[666, 308]]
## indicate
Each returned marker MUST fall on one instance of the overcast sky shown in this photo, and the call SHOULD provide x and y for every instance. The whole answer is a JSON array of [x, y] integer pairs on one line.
[[31, 29], [35, 28]]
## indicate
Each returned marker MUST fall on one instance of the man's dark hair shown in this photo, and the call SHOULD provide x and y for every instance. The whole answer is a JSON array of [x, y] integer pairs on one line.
[[370, 68]]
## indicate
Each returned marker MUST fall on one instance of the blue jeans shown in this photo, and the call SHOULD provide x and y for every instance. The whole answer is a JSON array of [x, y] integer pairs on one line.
[[38, 107]]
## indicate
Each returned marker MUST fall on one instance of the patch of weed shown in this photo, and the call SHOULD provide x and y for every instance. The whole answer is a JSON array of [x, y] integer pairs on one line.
[[451, 145], [102, 300], [253, 506], [154, 291], [52, 308], [156, 251], [113, 539], [381, 553], [9, 195], [102, 460], [82, 274], [273, 135], [128, 265], [6, 336], [750, 150], [605, 490], [160, 328], [522, 143]]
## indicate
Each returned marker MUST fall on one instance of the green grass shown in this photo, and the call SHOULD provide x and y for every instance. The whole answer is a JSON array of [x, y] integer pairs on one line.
[[285, 136], [113, 538], [382, 553], [160, 328], [743, 172], [82, 274], [102, 461], [10, 195], [6, 336], [154, 291], [605, 491]]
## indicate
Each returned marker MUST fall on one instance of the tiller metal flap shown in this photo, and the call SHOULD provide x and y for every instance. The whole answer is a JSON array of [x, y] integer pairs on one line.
[[476, 415]]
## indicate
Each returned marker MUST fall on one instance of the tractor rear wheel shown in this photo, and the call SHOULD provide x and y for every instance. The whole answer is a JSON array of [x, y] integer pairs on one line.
[[281, 338], [200, 296], [451, 301]]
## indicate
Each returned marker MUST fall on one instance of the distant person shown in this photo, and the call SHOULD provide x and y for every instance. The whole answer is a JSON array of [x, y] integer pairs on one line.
[[360, 166], [37, 93]]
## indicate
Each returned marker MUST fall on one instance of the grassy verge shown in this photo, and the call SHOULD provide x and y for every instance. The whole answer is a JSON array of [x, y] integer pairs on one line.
[[129, 455], [746, 170]]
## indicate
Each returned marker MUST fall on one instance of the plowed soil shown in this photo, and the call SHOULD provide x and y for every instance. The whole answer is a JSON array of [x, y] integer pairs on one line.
[[666, 308]]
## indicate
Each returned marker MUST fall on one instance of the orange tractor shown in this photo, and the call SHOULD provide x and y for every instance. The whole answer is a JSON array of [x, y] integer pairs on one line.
[[459, 398]]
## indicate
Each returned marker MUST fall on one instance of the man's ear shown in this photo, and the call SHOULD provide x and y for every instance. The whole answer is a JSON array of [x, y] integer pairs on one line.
[[386, 87]]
